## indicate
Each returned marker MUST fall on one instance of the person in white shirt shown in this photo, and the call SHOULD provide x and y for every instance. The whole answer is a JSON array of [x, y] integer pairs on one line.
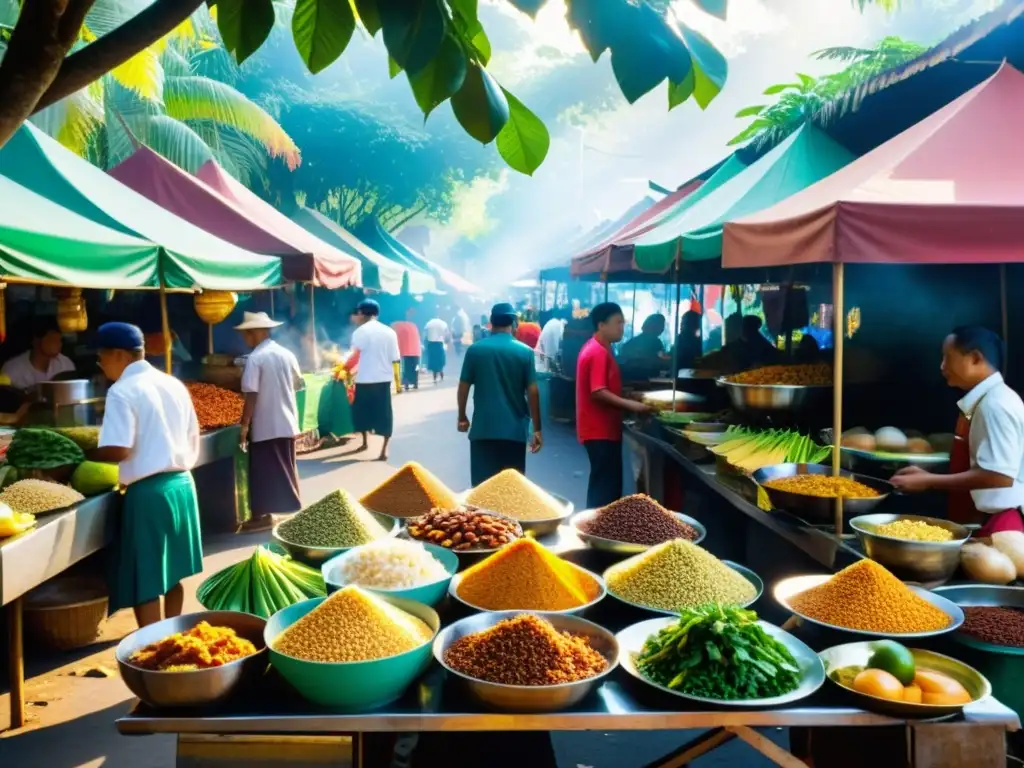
[[437, 335], [378, 354], [270, 421], [460, 327], [549, 343], [150, 429], [44, 362], [986, 467]]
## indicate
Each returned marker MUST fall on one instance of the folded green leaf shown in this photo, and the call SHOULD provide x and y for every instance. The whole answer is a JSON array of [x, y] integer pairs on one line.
[[322, 30], [441, 78], [413, 31], [480, 105], [523, 142], [369, 15], [244, 25]]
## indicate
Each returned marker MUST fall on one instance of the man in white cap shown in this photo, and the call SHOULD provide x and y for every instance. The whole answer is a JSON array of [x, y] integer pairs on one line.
[[270, 421]]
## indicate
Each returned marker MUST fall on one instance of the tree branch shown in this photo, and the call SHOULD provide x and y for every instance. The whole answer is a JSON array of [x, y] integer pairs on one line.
[[115, 48], [410, 214]]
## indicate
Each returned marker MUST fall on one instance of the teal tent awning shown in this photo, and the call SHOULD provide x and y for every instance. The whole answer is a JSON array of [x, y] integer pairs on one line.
[[190, 258], [807, 156]]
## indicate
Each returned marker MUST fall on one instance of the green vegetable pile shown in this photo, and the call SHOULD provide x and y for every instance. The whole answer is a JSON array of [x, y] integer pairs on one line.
[[262, 585], [94, 477], [719, 652], [34, 448], [86, 438]]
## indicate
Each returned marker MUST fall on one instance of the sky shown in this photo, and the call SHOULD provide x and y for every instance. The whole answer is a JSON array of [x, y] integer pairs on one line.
[[599, 164]]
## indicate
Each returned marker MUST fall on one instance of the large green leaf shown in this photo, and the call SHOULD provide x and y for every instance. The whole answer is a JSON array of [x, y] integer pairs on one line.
[[394, 68], [168, 137], [631, 64], [480, 106], [681, 91], [441, 78], [599, 23], [369, 15], [524, 141], [244, 25], [322, 29], [413, 31], [772, 90], [751, 111], [469, 29], [710, 68]]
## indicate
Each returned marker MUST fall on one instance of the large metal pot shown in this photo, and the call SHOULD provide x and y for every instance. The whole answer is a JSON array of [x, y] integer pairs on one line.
[[770, 397], [71, 392], [818, 509]]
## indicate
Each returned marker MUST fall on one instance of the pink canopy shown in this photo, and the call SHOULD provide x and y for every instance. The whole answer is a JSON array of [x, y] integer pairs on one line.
[[168, 186], [333, 269], [949, 189]]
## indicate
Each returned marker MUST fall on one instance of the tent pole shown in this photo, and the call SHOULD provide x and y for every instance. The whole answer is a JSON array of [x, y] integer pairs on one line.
[[632, 313], [674, 367], [606, 289], [165, 325], [312, 328], [838, 340], [271, 303], [1005, 311], [721, 304], [209, 338]]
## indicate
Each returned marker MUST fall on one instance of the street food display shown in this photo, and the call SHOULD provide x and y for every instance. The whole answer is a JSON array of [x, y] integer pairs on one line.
[[262, 585], [91, 478], [914, 530], [12, 523], [994, 624], [981, 562], [865, 596], [202, 647], [337, 520], [525, 650], [390, 564], [823, 486], [510, 493], [677, 575], [38, 496], [719, 652], [215, 406], [409, 492], [87, 438], [352, 625], [888, 442], [37, 448], [816, 375], [749, 450], [526, 576], [637, 519], [464, 529]]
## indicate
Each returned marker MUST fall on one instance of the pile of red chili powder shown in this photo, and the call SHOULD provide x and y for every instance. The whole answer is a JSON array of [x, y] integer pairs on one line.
[[992, 624]]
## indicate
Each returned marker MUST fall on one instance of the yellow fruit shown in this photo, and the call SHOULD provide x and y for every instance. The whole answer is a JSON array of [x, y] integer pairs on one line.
[[938, 688], [912, 694], [879, 683], [947, 698]]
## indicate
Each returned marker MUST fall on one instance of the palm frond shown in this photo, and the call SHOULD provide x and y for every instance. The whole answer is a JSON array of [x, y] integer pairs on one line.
[[200, 98], [74, 121], [168, 137], [842, 53], [142, 74], [175, 63], [238, 154]]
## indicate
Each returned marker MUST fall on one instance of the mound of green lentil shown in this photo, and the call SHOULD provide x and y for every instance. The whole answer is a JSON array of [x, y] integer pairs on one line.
[[676, 575], [337, 520]]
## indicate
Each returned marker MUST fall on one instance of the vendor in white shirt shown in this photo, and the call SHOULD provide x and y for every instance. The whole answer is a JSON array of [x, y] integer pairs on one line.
[[550, 341], [985, 483], [378, 354], [270, 421], [437, 335], [150, 429], [44, 362]]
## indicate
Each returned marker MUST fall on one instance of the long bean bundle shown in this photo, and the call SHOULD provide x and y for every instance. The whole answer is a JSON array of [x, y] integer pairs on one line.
[[261, 585]]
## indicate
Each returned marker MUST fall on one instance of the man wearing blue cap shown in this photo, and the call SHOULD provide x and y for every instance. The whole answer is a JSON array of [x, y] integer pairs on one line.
[[377, 345], [150, 429], [501, 373]]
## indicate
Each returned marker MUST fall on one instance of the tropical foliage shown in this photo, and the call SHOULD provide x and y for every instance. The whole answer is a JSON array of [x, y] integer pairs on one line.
[[808, 98], [176, 97]]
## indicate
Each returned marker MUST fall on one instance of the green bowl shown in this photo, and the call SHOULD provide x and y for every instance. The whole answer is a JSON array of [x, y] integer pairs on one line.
[[429, 594], [352, 686]]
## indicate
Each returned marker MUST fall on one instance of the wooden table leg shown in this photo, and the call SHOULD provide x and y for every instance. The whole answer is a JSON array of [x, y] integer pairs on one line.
[[766, 747], [16, 663]]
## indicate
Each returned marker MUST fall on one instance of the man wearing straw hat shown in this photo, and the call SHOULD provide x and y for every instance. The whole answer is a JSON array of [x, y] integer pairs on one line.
[[150, 429], [270, 421]]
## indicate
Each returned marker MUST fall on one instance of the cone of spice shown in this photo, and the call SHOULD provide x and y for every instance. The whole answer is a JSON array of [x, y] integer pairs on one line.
[[411, 491], [337, 520], [637, 519], [511, 493], [525, 650]]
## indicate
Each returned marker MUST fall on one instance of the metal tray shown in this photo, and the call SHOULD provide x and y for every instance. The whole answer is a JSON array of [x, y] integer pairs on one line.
[[794, 585], [818, 509], [625, 547], [631, 642], [746, 573], [967, 595]]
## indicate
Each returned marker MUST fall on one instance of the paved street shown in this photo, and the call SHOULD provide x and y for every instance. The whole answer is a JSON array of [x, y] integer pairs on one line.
[[72, 716]]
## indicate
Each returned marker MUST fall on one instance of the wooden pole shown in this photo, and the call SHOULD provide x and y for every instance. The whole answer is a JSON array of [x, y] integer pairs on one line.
[[606, 288], [209, 338], [312, 328], [16, 665], [1005, 313], [165, 323], [272, 304], [721, 313], [838, 339], [674, 368], [632, 312]]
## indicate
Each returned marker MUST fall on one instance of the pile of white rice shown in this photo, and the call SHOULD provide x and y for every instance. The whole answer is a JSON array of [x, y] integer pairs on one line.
[[390, 564]]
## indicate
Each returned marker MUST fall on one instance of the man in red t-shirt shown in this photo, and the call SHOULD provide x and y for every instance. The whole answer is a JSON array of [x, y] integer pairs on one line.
[[600, 405]]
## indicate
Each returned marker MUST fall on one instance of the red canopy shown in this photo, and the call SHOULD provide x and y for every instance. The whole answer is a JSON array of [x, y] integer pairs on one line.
[[949, 189], [333, 269], [604, 258]]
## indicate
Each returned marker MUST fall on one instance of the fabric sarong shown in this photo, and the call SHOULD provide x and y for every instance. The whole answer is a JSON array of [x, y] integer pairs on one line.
[[371, 411], [436, 356], [273, 477]]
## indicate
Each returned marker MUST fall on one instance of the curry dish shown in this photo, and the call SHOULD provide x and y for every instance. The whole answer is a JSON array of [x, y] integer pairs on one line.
[[824, 486]]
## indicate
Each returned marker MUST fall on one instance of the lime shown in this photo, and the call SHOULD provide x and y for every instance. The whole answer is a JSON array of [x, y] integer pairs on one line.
[[895, 659]]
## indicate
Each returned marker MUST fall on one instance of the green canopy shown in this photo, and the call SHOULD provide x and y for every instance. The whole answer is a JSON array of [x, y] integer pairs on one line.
[[189, 257], [807, 156], [379, 271], [42, 242]]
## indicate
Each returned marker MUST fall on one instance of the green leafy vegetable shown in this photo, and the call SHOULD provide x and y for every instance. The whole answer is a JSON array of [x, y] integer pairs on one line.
[[719, 652]]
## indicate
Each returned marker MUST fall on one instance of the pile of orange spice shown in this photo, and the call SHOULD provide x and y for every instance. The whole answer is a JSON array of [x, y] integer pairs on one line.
[[410, 492], [201, 647], [524, 575]]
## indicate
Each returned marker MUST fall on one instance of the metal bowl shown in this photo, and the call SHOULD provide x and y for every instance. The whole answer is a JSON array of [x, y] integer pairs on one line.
[[746, 573], [769, 397], [818, 509], [794, 585], [201, 687], [474, 552], [538, 527], [453, 590], [317, 556], [529, 698], [857, 655], [887, 464], [632, 639], [925, 562], [625, 547], [968, 595]]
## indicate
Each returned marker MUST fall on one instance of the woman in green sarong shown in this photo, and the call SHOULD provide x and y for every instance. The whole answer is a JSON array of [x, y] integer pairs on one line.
[[150, 429]]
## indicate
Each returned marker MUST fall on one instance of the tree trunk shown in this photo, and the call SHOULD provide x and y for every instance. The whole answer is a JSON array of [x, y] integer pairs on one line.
[[411, 214]]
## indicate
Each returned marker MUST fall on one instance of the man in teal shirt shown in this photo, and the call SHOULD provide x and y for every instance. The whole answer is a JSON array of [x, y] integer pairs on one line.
[[500, 372]]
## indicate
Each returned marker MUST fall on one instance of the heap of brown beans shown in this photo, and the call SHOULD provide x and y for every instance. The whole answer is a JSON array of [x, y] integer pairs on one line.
[[215, 406], [465, 528], [637, 519], [991, 624]]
